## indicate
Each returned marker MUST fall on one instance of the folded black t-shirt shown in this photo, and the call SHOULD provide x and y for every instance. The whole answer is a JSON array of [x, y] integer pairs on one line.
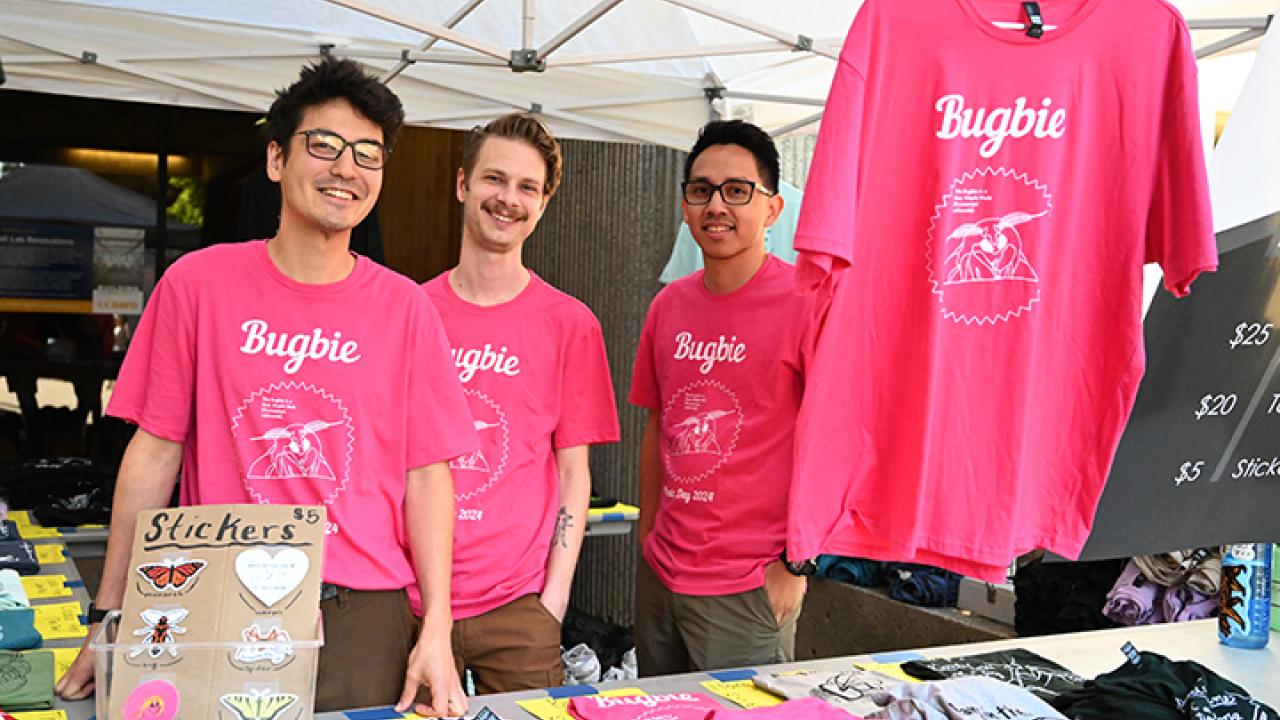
[[1158, 688], [1020, 668]]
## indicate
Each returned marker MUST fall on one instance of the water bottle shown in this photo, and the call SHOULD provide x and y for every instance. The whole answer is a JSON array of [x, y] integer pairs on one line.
[[1275, 589], [1244, 611]]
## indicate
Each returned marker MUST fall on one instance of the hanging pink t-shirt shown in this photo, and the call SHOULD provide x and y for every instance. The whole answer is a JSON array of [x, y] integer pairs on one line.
[[723, 372], [666, 706], [283, 392], [536, 376], [977, 215]]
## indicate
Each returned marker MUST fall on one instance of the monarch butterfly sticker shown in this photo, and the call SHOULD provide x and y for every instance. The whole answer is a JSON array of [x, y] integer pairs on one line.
[[171, 574], [258, 704]]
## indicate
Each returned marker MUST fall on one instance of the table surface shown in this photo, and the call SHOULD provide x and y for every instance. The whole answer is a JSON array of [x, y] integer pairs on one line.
[[1088, 654]]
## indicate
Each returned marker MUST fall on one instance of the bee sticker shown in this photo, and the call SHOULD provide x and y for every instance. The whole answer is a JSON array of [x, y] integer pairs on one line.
[[157, 636]]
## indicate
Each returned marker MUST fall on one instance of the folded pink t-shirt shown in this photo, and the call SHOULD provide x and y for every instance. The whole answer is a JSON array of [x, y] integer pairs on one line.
[[668, 706]]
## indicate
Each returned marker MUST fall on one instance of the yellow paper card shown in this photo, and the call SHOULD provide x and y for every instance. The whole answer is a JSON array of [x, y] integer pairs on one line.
[[558, 709], [59, 621], [50, 554], [44, 587], [742, 693], [893, 670], [20, 517], [36, 532], [62, 659], [41, 715]]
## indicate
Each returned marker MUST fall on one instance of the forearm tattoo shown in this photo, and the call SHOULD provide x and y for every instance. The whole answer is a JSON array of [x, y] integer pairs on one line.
[[564, 521]]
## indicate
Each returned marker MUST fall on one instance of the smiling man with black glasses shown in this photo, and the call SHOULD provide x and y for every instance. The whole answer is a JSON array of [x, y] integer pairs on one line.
[[291, 370], [719, 367]]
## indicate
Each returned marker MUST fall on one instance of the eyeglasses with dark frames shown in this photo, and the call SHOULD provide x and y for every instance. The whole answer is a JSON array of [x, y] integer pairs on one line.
[[733, 192], [326, 145]]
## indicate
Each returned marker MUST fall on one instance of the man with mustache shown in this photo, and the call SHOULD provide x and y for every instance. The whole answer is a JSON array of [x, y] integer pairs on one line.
[[243, 344], [539, 401], [715, 461]]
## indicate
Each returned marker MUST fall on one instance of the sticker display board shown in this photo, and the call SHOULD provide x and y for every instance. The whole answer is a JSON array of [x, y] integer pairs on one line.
[[243, 582], [1199, 463]]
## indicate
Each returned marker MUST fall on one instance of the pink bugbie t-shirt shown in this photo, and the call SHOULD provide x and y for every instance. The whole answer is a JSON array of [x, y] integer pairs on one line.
[[978, 235], [666, 706], [284, 392], [536, 376], [723, 372]]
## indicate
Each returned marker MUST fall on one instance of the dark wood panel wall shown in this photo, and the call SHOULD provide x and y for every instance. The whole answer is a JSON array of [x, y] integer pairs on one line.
[[420, 217], [604, 239]]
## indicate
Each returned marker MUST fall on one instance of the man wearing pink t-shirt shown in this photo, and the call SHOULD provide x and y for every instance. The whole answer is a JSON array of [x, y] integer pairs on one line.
[[532, 363], [257, 371], [718, 368]]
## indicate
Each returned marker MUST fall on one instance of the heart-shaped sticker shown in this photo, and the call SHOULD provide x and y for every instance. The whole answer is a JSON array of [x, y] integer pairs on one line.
[[270, 578]]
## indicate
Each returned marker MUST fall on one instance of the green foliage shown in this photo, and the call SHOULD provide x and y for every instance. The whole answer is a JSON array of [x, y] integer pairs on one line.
[[188, 206]]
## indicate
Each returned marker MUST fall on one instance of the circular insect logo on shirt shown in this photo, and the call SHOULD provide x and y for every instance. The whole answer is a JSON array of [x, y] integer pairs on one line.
[[984, 249], [475, 473], [701, 423], [295, 442]]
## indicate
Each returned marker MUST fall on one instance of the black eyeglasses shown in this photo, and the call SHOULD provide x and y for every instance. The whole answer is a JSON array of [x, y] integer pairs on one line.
[[733, 192], [325, 145]]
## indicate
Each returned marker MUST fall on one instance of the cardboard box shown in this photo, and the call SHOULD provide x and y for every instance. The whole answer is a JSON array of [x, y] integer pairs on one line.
[[994, 602]]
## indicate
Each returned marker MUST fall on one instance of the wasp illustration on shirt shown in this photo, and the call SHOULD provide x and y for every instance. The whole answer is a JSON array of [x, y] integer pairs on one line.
[[696, 434], [157, 636], [295, 452], [990, 250]]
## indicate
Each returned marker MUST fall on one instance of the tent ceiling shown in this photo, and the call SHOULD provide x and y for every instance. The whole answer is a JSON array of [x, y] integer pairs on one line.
[[635, 70]]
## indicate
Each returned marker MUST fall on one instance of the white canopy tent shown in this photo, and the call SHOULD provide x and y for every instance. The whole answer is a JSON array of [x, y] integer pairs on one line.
[[630, 70]]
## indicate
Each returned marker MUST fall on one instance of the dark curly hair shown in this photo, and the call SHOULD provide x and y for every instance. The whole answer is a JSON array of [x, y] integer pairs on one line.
[[745, 135], [333, 79]]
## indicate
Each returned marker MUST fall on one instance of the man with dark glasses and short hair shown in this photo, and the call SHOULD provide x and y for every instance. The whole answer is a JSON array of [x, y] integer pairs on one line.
[[719, 368], [292, 371]]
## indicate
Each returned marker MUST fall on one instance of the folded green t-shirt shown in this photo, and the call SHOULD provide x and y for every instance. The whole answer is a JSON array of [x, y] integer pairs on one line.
[[26, 681]]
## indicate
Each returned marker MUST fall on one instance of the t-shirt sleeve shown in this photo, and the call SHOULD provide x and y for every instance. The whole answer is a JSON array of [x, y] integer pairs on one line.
[[156, 386], [824, 233], [1179, 224], [644, 380], [588, 413], [439, 425]]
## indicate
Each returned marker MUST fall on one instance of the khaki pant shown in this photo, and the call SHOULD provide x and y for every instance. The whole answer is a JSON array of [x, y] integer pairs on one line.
[[367, 639], [680, 633], [512, 647]]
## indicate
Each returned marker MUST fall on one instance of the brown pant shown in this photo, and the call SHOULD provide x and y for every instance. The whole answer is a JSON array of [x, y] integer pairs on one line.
[[678, 633], [367, 639], [512, 647]]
